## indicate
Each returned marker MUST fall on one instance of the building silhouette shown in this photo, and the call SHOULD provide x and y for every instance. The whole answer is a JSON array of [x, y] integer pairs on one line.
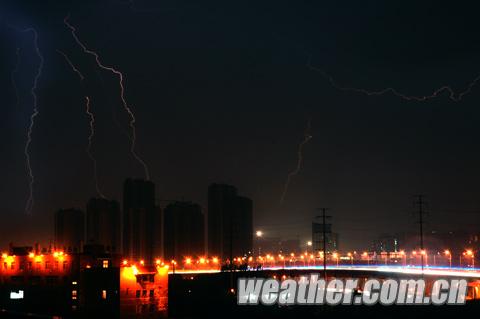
[[183, 231], [69, 229], [141, 221], [103, 223], [230, 228]]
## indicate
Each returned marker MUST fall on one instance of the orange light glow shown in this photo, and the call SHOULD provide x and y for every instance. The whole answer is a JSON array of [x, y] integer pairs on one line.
[[125, 262], [157, 261], [202, 260], [31, 255], [447, 252], [215, 260], [142, 262], [188, 261]]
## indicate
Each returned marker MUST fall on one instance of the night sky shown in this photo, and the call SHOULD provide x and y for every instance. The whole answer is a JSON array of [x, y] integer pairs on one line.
[[221, 92]]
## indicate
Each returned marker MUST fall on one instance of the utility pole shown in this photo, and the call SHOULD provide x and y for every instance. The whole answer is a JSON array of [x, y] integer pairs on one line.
[[420, 204], [324, 237]]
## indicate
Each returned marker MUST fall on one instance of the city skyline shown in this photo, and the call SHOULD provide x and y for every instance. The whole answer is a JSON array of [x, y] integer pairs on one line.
[[218, 99]]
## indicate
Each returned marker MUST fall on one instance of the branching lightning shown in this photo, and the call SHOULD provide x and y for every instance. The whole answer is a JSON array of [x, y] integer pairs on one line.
[[454, 96], [307, 137], [74, 68], [91, 117], [33, 91], [89, 146], [122, 93]]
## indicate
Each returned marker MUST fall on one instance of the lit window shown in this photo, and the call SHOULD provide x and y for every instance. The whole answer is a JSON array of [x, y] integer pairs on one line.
[[74, 282], [105, 264], [144, 293], [74, 295], [104, 294]]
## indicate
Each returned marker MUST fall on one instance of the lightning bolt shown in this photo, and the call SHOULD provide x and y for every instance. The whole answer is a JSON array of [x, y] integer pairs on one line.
[[91, 125], [121, 77], [33, 91], [456, 97], [12, 76], [307, 137], [74, 68], [89, 146]]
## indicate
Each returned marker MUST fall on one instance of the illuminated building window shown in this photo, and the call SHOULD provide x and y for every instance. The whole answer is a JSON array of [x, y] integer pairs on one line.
[[144, 292], [55, 265], [74, 282], [29, 265], [47, 265], [12, 266], [105, 264], [104, 294], [74, 295], [39, 265], [5, 266], [151, 293], [137, 294]]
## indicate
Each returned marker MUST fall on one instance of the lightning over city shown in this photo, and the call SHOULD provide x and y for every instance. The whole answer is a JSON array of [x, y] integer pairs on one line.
[[303, 158], [307, 136], [91, 122], [34, 114], [452, 95], [120, 76], [89, 146]]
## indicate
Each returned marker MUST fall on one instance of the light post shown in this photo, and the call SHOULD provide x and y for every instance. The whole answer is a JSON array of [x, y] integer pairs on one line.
[[351, 258], [259, 235], [335, 256], [424, 253], [472, 255], [447, 253], [365, 254], [309, 246]]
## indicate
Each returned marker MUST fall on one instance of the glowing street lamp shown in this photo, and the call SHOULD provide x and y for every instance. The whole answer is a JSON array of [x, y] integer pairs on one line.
[[365, 255], [470, 254], [449, 255], [259, 235], [335, 256]]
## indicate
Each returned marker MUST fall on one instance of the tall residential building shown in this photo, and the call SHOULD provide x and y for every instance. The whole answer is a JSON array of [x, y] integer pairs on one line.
[[103, 223], [183, 231], [69, 229], [141, 221], [230, 229]]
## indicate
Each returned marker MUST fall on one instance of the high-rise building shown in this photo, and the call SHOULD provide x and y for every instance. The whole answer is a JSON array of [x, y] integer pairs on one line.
[[141, 221], [183, 231], [69, 229], [230, 229], [103, 223]]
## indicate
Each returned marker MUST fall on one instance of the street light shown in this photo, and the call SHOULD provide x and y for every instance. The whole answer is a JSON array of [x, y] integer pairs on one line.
[[259, 235], [335, 256], [447, 253], [472, 255]]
